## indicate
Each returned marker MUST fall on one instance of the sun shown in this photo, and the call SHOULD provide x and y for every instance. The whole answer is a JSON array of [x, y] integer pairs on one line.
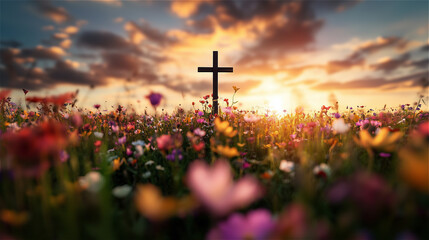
[[277, 104]]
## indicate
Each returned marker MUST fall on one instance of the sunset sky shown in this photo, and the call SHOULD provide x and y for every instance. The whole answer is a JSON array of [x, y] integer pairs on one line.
[[284, 53]]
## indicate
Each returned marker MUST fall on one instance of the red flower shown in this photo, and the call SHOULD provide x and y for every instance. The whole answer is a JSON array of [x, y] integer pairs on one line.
[[25, 91], [58, 100], [4, 94], [33, 150]]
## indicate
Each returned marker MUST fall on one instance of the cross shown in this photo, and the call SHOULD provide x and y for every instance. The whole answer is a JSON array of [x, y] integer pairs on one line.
[[215, 70]]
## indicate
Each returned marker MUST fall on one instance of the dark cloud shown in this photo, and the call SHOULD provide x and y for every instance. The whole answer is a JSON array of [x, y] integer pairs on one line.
[[391, 64], [64, 72], [353, 60], [29, 76], [42, 53], [10, 43], [127, 66], [103, 40], [422, 63], [366, 83], [57, 14]]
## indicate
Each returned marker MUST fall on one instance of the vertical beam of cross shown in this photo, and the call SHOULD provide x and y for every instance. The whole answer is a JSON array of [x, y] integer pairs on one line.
[[215, 70]]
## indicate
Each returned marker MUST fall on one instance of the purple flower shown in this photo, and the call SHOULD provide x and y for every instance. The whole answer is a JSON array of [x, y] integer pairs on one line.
[[64, 156], [384, 155], [337, 115], [200, 113], [154, 98], [257, 224], [122, 140]]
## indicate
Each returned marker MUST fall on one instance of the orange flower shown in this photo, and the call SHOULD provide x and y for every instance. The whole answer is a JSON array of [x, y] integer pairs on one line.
[[227, 151], [384, 140], [224, 128]]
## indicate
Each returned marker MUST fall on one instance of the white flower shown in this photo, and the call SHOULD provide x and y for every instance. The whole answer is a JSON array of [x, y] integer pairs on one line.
[[146, 174], [339, 126], [150, 162], [121, 191], [98, 134], [159, 167], [286, 166], [92, 182], [139, 151], [322, 168]]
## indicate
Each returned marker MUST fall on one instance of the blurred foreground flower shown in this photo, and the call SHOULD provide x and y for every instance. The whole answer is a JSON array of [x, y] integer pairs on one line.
[[13, 218], [224, 128], [33, 150], [215, 188], [339, 126], [384, 140], [414, 165], [92, 182], [151, 204], [154, 98], [286, 166], [227, 151], [256, 225]]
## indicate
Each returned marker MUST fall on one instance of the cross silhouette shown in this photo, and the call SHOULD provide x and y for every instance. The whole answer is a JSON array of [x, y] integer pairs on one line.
[[215, 70]]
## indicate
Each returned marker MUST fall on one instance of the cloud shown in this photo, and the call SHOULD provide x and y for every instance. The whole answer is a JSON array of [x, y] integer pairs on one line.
[[140, 32], [16, 75], [366, 83], [422, 63], [388, 64], [42, 53], [56, 14], [71, 30], [103, 40], [10, 43]]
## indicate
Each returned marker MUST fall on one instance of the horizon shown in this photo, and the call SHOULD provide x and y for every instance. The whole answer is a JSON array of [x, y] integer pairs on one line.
[[285, 54]]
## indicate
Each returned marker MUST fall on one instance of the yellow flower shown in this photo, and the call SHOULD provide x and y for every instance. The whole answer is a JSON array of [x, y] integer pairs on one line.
[[227, 151], [151, 204], [241, 144], [224, 128], [13, 218], [235, 88], [117, 163], [384, 140], [414, 168]]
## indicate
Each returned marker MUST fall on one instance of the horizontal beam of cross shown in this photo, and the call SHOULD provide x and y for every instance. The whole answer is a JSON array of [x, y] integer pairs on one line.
[[219, 69]]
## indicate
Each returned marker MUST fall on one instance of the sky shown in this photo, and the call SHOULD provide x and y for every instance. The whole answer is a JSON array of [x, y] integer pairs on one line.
[[284, 53]]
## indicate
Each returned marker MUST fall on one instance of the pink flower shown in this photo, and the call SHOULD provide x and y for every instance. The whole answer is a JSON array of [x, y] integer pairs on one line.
[[165, 142], [215, 188], [257, 224]]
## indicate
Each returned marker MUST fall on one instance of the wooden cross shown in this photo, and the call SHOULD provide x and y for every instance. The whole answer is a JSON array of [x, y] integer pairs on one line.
[[215, 70]]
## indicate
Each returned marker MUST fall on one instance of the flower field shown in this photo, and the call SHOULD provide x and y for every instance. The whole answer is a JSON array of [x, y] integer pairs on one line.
[[111, 173]]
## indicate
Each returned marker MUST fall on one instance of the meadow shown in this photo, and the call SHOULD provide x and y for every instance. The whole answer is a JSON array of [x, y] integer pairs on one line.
[[111, 173]]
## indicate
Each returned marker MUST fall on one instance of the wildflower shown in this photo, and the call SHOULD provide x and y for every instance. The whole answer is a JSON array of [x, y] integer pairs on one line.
[[25, 91], [215, 188], [154, 98], [257, 225], [251, 118], [198, 147], [98, 134], [151, 204], [224, 128], [286, 166], [292, 223], [92, 182], [322, 170], [97, 106], [199, 132], [33, 150], [121, 191], [58, 100], [227, 151], [339, 126], [384, 140], [165, 142], [13, 218], [122, 140], [235, 88], [138, 143], [200, 113]]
